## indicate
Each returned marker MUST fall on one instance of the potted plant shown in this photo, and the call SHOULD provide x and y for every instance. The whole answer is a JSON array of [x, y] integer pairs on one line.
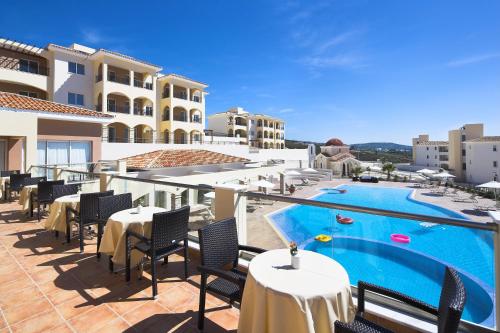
[[291, 189], [294, 252]]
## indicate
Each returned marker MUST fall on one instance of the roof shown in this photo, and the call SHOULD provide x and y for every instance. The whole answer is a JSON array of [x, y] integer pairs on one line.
[[334, 142], [486, 139], [170, 158], [20, 47], [432, 143], [15, 101], [339, 156], [182, 77]]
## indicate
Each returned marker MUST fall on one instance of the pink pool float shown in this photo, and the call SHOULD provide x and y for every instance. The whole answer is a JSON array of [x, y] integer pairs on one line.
[[400, 238]]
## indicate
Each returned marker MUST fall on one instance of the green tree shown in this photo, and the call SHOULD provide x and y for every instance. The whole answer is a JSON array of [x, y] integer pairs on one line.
[[357, 170], [389, 168]]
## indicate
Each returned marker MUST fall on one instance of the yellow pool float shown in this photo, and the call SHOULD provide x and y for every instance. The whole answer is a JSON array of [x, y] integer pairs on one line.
[[323, 238]]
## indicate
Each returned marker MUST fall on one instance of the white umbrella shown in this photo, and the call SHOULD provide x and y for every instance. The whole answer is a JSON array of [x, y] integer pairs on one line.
[[292, 173], [309, 170], [493, 185], [263, 183], [443, 175], [375, 168], [209, 195], [429, 171]]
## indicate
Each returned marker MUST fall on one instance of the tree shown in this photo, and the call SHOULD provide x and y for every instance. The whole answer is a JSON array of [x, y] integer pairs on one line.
[[389, 168], [357, 170]]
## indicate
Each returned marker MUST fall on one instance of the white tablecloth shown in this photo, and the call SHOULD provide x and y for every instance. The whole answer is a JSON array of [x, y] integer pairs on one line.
[[25, 196], [3, 183], [113, 239], [57, 217], [278, 298]]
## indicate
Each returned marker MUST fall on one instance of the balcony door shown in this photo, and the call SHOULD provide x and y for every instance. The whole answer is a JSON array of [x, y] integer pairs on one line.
[[3, 155]]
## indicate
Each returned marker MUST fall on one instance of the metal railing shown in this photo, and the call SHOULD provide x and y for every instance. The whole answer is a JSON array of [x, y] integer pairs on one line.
[[39, 70]]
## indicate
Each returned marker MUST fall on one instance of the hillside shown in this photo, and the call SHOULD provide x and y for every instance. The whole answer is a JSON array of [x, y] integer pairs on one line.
[[380, 146]]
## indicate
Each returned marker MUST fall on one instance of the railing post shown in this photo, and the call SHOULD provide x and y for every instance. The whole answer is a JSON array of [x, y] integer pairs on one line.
[[229, 202], [496, 259]]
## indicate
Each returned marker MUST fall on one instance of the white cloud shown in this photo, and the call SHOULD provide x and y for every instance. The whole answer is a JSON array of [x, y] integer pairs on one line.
[[335, 40], [92, 36], [286, 110], [473, 60], [335, 61], [264, 95]]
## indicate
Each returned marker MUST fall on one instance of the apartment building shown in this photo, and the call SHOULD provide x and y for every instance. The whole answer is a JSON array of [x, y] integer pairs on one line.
[[132, 90], [468, 154], [256, 130]]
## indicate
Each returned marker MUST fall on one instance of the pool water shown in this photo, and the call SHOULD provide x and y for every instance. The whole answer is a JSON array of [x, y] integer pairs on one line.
[[365, 249]]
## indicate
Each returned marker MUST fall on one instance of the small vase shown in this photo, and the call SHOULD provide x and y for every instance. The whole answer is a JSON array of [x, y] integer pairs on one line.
[[138, 209], [296, 261]]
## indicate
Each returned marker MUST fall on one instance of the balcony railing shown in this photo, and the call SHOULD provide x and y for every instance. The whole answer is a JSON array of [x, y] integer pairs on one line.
[[122, 79], [119, 108], [142, 84], [181, 95], [40, 70], [180, 118], [196, 99], [147, 111], [165, 94]]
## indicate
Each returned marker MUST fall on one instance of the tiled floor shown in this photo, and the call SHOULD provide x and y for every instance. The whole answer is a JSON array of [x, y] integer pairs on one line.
[[46, 285]]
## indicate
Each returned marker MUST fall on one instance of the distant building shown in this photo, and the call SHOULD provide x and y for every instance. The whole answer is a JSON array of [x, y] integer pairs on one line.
[[468, 154], [256, 130], [336, 156]]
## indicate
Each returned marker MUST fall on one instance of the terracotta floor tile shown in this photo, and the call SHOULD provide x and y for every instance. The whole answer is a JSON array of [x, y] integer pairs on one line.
[[117, 325], [64, 328], [177, 298], [144, 312], [15, 314], [19, 296], [224, 318], [93, 319], [40, 323], [76, 306]]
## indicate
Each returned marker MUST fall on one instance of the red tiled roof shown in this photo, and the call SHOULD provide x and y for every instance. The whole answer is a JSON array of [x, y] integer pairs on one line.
[[339, 156], [179, 157], [15, 101]]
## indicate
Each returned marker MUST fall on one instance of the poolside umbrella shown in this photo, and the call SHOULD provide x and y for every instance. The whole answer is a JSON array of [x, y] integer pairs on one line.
[[444, 175], [428, 171], [292, 173], [309, 170], [263, 183], [375, 168], [209, 195], [492, 185]]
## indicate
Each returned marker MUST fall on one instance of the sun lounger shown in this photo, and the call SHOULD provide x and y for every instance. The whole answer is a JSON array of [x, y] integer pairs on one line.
[[470, 199], [484, 208]]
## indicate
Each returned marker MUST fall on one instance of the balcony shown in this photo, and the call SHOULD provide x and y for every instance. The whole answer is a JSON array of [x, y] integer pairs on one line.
[[180, 95], [142, 84], [147, 111], [122, 79], [119, 109]]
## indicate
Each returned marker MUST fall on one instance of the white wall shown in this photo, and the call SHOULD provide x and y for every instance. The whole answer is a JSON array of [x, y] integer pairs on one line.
[[64, 81], [218, 123], [114, 151], [479, 160], [428, 156]]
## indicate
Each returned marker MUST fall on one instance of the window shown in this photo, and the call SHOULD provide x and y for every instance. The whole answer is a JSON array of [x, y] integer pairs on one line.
[[435, 148], [463, 137], [495, 164], [464, 166], [427, 148], [75, 99], [427, 156], [76, 68], [494, 147], [463, 152], [30, 66], [29, 94], [111, 105]]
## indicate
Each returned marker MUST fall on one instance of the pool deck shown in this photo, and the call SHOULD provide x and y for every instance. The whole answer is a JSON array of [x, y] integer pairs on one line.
[[261, 233]]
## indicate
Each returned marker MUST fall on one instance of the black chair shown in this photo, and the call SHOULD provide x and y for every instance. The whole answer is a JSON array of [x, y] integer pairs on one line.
[[43, 196], [7, 173], [219, 251], [107, 206], [63, 190], [33, 180], [16, 183], [168, 231], [449, 312], [87, 216]]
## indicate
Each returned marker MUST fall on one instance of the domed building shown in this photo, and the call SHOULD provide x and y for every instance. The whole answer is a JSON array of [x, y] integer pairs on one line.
[[336, 156]]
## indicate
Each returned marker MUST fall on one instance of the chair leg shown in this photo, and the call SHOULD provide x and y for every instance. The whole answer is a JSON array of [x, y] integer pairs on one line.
[[127, 259], [186, 275], [165, 260], [57, 234], [201, 310], [80, 232], [38, 211], [68, 232], [99, 236], [154, 277], [111, 265]]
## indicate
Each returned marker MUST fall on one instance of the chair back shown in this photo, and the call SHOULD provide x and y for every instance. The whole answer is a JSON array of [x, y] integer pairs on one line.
[[17, 180], [33, 180], [89, 205], [169, 228], [45, 189], [219, 244], [114, 203], [7, 173], [451, 302], [62, 190]]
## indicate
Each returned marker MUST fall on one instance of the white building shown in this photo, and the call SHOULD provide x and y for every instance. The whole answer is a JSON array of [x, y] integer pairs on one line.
[[336, 156], [482, 159], [432, 154], [256, 130]]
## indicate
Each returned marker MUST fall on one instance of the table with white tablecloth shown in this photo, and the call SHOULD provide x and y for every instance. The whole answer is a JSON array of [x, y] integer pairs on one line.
[[25, 196], [113, 239], [279, 298], [3, 186], [57, 217]]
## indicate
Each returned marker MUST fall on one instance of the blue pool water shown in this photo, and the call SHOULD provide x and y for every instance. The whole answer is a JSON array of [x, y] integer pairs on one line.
[[365, 250]]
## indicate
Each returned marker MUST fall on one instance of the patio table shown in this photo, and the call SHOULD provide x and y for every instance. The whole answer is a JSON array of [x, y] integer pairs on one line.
[[278, 298], [113, 238], [25, 196], [3, 182], [57, 216]]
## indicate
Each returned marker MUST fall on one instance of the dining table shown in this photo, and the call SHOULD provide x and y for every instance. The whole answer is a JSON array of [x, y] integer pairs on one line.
[[113, 238], [3, 186], [308, 299], [25, 197], [56, 221]]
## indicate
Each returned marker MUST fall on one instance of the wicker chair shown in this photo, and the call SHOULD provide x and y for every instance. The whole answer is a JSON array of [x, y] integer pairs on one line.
[[87, 216], [33, 180], [16, 183], [43, 196], [449, 312], [63, 190], [169, 234], [7, 173], [219, 251], [107, 206]]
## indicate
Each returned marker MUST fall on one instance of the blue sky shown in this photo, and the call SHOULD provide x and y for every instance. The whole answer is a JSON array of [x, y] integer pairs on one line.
[[359, 70]]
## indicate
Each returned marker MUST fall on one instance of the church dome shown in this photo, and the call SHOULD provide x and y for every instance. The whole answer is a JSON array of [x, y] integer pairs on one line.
[[334, 142]]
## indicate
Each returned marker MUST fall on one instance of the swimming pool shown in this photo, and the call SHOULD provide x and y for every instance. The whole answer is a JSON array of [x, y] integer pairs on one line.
[[365, 249]]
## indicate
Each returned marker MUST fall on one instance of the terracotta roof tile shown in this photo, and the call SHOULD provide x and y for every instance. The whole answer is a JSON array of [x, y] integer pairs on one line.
[[179, 157], [432, 143], [15, 101]]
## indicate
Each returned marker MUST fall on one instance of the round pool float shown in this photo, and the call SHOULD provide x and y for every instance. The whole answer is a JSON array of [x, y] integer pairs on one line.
[[344, 220], [400, 238], [323, 238], [343, 191]]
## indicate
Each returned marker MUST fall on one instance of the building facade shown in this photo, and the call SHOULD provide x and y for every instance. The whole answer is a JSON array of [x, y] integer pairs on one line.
[[132, 90], [256, 130], [336, 156], [468, 154]]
